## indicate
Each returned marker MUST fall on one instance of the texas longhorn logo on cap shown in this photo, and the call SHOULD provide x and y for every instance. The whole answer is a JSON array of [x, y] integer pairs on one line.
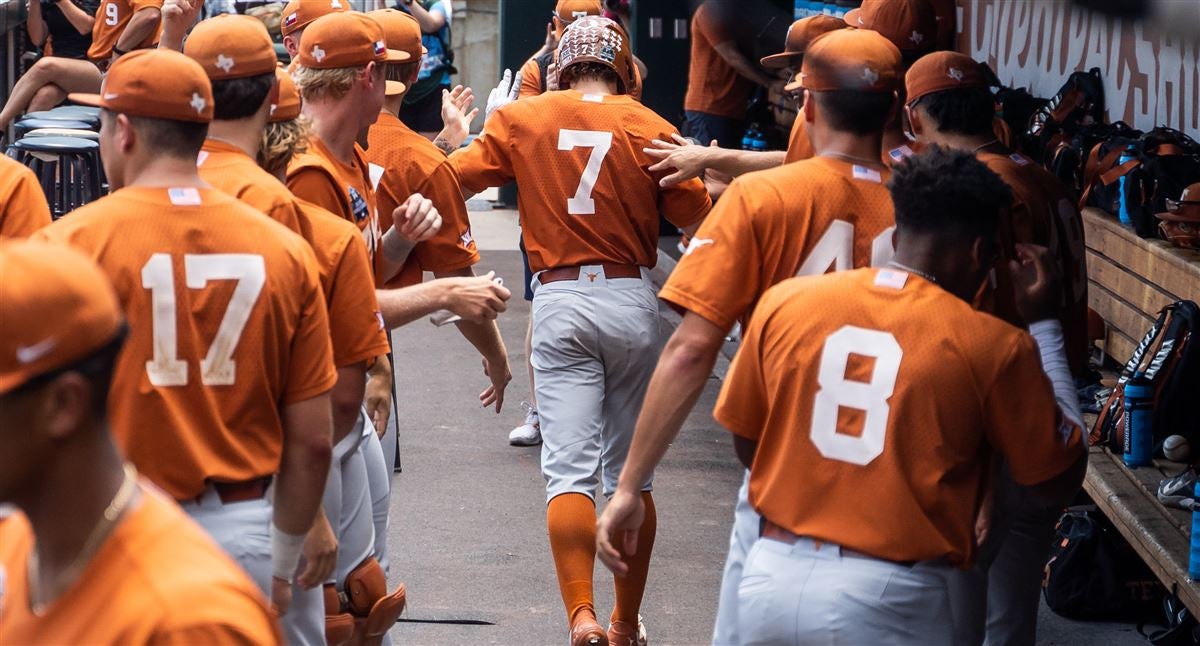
[[198, 102], [916, 37], [870, 75], [955, 74], [318, 53], [224, 62]]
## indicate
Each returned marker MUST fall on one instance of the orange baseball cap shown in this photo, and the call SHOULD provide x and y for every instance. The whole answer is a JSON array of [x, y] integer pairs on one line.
[[850, 59], [942, 71], [569, 11], [297, 14], [402, 33], [287, 106], [348, 39], [156, 83], [232, 46], [799, 35], [59, 308], [911, 25]]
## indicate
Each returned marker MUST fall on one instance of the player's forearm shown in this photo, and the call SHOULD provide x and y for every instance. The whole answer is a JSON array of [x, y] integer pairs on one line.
[[1049, 337], [740, 162], [484, 336], [347, 398], [407, 304], [742, 65], [307, 449], [678, 380], [140, 27]]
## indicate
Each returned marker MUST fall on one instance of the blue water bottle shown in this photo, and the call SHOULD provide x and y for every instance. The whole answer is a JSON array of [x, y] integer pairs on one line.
[[1123, 208], [1194, 555], [758, 141], [1139, 420]]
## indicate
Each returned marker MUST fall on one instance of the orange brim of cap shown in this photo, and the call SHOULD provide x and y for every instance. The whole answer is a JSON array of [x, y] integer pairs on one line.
[[397, 56], [794, 85], [851, 17], [781, 60], [392, 88], [94, 100]]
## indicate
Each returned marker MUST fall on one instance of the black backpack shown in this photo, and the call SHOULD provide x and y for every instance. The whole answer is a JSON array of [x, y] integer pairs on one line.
[[1068, 159], [1080, 102], [1015, 107], [1169, 356], [1162, 163], [1092, 573]]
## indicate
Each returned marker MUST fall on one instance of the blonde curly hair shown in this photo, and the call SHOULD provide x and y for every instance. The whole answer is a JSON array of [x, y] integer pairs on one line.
[[281, 141], [318, 84]]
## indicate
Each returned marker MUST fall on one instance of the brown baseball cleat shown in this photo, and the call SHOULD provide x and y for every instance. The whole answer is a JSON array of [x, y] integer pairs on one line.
[[585, 631], [623, 633]]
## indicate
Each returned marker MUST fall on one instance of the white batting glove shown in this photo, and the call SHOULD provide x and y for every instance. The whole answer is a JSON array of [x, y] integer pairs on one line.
[[504, 93]]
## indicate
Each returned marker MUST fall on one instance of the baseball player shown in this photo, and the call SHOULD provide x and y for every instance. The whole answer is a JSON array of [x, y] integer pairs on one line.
[[868, 428], [96, 554], [358, 337], [831, 212], [413, 165], [120, 27], [589, 212], [950, 104], [221, 395], [298, 14], [23, 206], [539, 74]]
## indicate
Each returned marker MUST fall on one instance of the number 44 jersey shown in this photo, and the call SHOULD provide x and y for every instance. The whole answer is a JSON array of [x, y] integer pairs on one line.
[[227, 326], [585, 191], [876, 398]]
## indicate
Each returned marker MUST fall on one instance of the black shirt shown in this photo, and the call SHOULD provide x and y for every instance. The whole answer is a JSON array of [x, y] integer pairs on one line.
[[65, 39]]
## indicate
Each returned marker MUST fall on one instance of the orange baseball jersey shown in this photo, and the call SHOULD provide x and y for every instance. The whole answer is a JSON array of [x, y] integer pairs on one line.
[[23, 207], [713, 86], [111, 20], [157, 579], [227, 325], [875, 397], [531, 80], [1043, 213], [229, 169], [412, 164], [804, 218], [585, 192], [799, 146], [355, 323], [346, 190]]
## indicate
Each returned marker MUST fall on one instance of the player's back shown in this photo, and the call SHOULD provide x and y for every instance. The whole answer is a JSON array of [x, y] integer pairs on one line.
[[803, 218], [226, 319], [883, 389], [232, 171]]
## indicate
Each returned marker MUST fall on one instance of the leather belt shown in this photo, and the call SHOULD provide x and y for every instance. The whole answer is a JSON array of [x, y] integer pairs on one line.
[[231, 492], [572, 273], [776, 533]]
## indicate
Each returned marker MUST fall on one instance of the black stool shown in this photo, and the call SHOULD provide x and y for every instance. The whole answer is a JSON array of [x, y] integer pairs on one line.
[[28, 123], [68, 168]]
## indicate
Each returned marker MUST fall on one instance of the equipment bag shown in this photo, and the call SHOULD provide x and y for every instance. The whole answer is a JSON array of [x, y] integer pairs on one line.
[[1092, 573], [1179, 627], [1069, 158], [1169, 356], [1156, 167], [1080, 102]]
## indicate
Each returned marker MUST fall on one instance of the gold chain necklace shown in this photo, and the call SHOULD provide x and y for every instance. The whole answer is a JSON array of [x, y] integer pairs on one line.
[[104, 526]]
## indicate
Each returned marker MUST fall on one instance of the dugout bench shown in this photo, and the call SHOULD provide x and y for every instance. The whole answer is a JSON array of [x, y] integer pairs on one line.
[[1129, 280]]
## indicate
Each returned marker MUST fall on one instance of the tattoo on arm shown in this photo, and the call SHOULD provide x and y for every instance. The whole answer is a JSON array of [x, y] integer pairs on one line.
[[444, 145]]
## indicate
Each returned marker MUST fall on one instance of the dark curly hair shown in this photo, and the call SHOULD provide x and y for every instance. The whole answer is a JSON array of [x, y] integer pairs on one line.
[[946, 192], [966, 111]]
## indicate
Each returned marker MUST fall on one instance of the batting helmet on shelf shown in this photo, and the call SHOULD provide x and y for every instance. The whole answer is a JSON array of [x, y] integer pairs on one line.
[[593, 39]]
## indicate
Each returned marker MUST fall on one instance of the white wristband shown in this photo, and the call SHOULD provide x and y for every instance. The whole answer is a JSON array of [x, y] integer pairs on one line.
[[285, 553]]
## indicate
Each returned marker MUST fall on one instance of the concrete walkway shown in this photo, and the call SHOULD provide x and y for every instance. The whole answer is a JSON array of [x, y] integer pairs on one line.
[[468, 532]]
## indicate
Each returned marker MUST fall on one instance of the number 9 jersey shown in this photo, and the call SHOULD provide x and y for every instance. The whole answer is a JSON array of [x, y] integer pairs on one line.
[[875, 398], [227, 325], [575, 208]]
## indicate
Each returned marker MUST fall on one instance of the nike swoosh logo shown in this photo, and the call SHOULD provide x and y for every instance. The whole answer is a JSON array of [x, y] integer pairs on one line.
[[31, 353], [110, 97]]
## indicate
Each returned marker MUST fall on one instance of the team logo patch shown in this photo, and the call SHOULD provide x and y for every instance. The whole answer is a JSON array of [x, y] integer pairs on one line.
[[290, 20], [695, 244], [868, 174], [891, 279], [224, 62], [1019, 159], [31, 353], [870, 76], [955, 74], [917, 37], [185, 196], [576, 15], [380, 48], [607, 54], [379, 317], [358, 205], [318, 53], [467, 239], [201, 158], [198, 103]]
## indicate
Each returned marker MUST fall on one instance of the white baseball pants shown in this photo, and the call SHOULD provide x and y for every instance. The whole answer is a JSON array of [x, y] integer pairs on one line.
[[242, 529], [743, 535], [811, 593], [596, 342], [347, 503]]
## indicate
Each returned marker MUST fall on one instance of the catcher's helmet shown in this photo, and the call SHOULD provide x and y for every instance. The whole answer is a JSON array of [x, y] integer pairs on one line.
[[594, 39]]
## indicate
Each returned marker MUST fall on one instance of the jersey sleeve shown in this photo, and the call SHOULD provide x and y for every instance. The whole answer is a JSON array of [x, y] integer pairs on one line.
[[686, 203], [531, 79], [275, 207], [743, 403], [356, 325], [312, 184], [453, 247], [311, 371], [1024, 421], [488, 160], [25, 209], [722, 271]]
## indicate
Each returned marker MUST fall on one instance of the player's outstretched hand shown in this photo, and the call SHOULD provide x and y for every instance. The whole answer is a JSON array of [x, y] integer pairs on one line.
[[378, 401], [500, 374], [504, 93], [281, 596], [178, 16], [477, 298], [320, 553], [457, 116], [617, 530], [1034, 283], [687, 159]]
